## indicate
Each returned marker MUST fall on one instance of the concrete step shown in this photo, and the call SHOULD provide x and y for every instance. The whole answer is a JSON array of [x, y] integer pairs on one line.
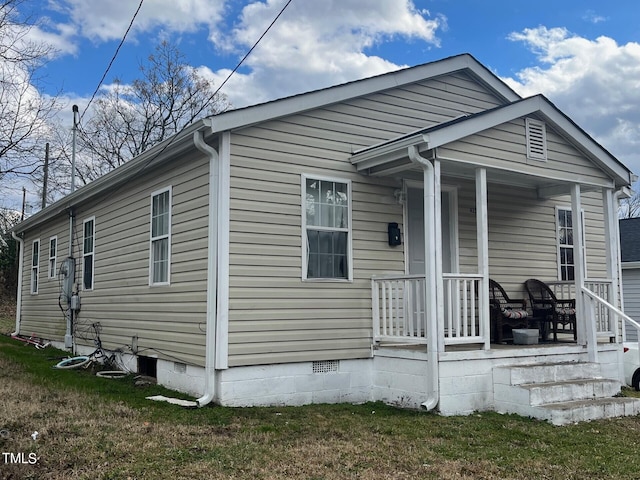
[[561, 393], [546, 372], [566, 413]]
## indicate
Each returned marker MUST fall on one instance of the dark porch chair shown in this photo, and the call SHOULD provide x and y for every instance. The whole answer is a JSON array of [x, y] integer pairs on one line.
[[559, 313], [505, 313]]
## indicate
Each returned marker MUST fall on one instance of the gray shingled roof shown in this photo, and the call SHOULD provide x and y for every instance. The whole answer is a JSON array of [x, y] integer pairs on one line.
[[630, 239]]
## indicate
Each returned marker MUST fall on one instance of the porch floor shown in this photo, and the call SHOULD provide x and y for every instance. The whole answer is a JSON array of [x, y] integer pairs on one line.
[[563, 340]]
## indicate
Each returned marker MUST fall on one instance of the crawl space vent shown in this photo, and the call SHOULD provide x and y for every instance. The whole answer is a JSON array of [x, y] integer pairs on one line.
[[325, 366], [536, 139]]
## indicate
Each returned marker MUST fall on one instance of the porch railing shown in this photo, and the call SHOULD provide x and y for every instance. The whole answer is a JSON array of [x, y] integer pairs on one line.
[[399, 309], [603, 317], [461, 309]]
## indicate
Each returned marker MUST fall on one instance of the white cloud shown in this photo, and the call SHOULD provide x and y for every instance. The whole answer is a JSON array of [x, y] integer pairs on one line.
[[596, 82], [317, 44], [104, 20]]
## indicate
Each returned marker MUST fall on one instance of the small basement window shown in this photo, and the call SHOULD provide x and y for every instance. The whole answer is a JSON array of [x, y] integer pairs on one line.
[[536, 139]]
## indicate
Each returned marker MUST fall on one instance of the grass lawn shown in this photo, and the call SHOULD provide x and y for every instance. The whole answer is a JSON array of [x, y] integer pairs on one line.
[[93, 428]]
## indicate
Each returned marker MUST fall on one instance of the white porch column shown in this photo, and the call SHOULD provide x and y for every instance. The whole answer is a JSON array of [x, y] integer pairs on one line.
[[611, 245], [585, 325], [437, 224], [482, 222]]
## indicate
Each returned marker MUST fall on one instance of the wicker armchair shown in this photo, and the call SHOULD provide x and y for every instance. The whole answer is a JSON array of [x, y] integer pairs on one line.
[[559, 313], [505, 313]]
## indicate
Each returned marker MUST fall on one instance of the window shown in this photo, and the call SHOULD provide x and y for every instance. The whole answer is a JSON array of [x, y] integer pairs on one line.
[[327, 228], [160, 248], [53, 249], [536, 139], [88, 252], [566, 263], [35, 266]]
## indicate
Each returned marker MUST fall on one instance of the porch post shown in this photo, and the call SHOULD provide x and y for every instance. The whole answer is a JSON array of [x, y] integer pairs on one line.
[[611, 246], [482, 222], [586, 329], [437, 253]]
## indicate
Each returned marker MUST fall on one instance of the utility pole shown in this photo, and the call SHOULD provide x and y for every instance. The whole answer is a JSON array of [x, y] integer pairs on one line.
[[73, 149], [46, 175], [24, 202]]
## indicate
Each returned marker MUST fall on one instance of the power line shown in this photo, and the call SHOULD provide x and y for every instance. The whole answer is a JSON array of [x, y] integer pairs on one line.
[[113, 58], [250, 50], [170, 142]]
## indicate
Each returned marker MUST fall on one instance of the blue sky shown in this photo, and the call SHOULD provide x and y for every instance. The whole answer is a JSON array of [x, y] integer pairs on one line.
[[583, 55]]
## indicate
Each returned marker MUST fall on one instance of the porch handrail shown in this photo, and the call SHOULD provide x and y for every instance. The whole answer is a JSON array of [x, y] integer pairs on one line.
[[591, 333]]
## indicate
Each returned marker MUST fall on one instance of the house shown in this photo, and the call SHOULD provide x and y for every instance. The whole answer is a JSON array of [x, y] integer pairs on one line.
[[630, 263], [336, 246]]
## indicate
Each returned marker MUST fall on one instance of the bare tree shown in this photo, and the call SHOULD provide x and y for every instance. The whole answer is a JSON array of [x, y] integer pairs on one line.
[[129, 119], [630, 207], [24, 112]]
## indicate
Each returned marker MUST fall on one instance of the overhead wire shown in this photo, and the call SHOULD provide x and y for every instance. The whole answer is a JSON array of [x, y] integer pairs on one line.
[[113, 58], [235, 69]]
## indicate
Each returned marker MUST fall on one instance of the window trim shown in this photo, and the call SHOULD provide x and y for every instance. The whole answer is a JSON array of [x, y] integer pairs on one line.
[[168, 236], [53, 260], [35, 268], [558, 246], [304, 241], [92, 253]]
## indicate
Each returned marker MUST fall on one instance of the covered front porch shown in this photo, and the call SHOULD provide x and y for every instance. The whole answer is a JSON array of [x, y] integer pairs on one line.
[[488, 209]]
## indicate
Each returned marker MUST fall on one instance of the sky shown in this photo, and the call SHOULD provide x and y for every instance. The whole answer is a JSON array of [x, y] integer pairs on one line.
[[583, 55]]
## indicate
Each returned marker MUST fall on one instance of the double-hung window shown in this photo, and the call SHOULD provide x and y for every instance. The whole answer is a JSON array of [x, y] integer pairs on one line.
[[566, 243], [35, 266], [88, 252], [53, 250], [326, 228], [160, 241]]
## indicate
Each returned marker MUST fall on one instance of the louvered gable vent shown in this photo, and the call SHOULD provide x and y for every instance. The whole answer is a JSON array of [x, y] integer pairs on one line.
[[536, 139]]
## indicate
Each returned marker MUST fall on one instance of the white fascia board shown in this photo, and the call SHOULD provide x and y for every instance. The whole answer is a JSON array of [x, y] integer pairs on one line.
[[532, 105], [156, 155], [252, 115], [384, 153]]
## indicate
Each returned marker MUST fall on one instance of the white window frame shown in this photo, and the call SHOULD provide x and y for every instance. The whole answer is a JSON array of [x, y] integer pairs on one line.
[[86, 254], [53, 260], [166, 236], [35, 266], [559, 246], [533, 153], [305, 227]]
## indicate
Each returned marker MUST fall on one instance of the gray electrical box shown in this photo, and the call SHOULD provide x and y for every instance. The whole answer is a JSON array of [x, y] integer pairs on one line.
[[75, 302], [67, 274]]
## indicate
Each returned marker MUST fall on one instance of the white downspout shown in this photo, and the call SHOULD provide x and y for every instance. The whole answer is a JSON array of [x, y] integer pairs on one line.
[[431, 309], [20, 270], [212, 267]]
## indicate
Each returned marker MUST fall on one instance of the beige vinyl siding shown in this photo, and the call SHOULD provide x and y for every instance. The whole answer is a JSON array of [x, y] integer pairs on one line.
[[522, 234], [168, 321], [505, 147], [631, 285], [41, 315], [275, 316]]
